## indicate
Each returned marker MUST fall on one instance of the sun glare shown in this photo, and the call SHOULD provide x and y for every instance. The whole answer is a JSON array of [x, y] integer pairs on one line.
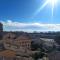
[[53, 2]]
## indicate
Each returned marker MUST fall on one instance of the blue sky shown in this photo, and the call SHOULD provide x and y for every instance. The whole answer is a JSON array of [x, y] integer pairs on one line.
[[19, 15]]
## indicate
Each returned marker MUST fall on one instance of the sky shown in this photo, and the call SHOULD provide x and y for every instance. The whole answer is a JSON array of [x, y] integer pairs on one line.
[[29, 15]]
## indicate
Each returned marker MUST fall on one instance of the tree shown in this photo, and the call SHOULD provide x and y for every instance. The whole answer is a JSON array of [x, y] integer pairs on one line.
[[36, 56], [57, 39], [34, 46]]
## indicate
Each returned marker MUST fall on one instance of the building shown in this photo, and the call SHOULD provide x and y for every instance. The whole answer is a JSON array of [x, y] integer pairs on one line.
[[17, 43], [1, 27], [54, 55], [47, 42], [11, 55], [1, 37], [21, 45]]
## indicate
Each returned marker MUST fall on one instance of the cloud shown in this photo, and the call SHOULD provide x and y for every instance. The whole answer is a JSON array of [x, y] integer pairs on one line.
[[52, 27]]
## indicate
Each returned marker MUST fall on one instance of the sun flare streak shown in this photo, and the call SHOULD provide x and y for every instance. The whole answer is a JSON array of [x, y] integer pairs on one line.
[[39, 9], [52, 3]]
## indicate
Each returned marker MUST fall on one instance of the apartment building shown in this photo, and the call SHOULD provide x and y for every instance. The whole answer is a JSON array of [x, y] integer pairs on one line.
[[13, 42]]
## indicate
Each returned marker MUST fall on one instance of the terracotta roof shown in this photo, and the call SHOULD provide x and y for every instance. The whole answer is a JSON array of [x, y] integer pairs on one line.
[[8, 53], [22, 38], [14, 36], [11, 35]]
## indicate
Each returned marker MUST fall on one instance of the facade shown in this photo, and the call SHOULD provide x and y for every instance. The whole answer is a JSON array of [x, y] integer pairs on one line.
[[47, 42], [18, 48], [12, 42]]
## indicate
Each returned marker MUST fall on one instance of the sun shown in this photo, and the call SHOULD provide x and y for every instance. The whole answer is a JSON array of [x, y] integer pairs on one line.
[[52, 2]]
